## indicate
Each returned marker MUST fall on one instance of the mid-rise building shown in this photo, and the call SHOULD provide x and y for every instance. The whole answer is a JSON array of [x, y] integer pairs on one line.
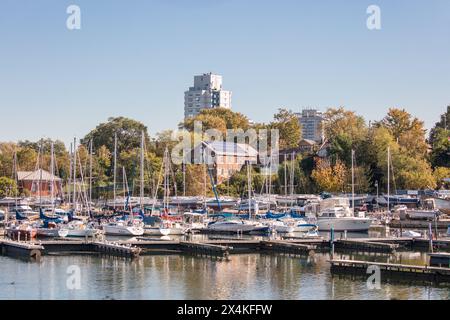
[[206, 93], [311, 121]]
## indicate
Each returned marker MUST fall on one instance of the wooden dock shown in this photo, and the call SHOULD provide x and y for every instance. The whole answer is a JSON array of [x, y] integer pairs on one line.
[[439, 259], [391, 271], [365, 246], [117, 249], [419, 224], [206, 249], [288, 247], [25, 250], [220, 247]]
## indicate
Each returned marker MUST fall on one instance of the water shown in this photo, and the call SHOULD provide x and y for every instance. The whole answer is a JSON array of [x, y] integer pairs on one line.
[[245, 276]]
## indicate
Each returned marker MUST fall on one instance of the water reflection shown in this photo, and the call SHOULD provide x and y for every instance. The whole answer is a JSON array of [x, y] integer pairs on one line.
[[244, 276]]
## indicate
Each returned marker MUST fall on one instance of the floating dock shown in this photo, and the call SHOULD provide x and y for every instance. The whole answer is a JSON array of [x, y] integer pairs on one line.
[[365, 246], [419, 224], [25, 250], [288, 247], [218, 247], [391, 271], [206, 249], [117, 249], [440, 259]]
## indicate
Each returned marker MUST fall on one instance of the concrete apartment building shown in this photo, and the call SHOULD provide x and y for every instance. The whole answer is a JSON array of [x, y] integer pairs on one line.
[[206, 93], [311, 122]]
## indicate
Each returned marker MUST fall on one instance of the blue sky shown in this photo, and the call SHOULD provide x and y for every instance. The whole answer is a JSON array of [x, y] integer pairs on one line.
[[136, 58]]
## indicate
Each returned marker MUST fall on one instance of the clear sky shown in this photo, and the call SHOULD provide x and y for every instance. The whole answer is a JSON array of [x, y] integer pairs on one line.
[[136, 58]]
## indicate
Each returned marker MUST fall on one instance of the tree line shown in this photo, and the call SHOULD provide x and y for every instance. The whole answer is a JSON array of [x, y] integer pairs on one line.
[[418, 160]]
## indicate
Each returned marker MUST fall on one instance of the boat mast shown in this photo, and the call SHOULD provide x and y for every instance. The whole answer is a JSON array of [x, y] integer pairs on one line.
[[52, 172], [270, 178], [249, 181], [74, 200], [285, 179], [292, 178], [40, 176], [388, 176], [125, 185], [204, 177], [183, 166], [142, 172], [353, 182], [115, 169], [90, 170], [15, 178]]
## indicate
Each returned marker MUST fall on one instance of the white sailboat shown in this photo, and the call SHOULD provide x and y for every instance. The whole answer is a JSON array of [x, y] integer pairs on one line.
[[234, 225], [123, 228], [128, 227], [335, 213]]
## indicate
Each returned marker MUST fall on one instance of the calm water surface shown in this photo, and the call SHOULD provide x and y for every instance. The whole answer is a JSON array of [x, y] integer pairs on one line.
[[249, 276]]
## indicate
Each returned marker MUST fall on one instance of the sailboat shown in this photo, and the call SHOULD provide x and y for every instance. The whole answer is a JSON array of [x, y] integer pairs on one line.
[[233, 224], [79, 227], [128, 226], [335, 213], [169, 224]]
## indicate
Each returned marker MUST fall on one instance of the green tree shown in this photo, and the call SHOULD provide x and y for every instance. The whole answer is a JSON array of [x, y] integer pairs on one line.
[[440, 154], [218, 118], [8, 187], [128, 134], [341, 122], [441, 173], [409, 132], [289, 128], [6, 159]]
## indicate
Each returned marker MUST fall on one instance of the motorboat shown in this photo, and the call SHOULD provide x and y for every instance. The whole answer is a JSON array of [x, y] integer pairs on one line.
[[194, 221], [52, 232], [156, 231], [80, 229], [411, 234], [22, 231], [301, 225], [124, 228], [280, 226], [428, 212], [232, 225], [335, 213], [176, 228], [290, 225]]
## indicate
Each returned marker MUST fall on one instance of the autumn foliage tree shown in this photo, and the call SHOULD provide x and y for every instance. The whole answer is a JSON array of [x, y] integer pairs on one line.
[[329, 177]]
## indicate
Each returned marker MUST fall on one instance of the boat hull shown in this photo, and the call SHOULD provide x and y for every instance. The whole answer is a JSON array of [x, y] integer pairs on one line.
[[231, 227], [52, 232], [123, 230], [443, 205], [16, 234], [155, 231], [344, 224], [82, 233]]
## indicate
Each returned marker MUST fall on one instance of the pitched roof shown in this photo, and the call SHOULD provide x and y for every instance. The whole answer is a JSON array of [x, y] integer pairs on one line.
[[308, 141], [230, 148], [36, 176]]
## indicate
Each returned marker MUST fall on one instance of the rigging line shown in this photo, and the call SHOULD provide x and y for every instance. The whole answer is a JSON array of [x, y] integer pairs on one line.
[[82, 187], [157, 186]]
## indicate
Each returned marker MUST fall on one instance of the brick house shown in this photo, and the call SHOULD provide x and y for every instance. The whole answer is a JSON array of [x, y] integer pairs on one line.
[[39, 183], [226, 157]]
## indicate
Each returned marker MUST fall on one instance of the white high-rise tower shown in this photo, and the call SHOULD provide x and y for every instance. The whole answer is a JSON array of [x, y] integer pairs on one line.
[[206, 93]]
